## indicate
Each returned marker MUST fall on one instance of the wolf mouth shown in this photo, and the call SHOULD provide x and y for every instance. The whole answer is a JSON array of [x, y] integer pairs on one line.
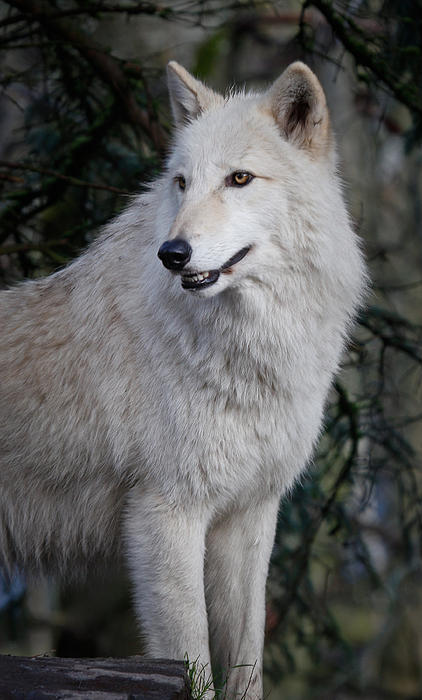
[[197, 280]]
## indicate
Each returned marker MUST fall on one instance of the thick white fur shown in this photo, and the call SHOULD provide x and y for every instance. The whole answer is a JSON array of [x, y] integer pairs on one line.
[[136, 415]]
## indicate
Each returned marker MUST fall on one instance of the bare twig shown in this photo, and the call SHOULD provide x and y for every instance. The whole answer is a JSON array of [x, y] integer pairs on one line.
[[67, 178]]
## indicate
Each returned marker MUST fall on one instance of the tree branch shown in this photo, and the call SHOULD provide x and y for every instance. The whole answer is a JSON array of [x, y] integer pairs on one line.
[[71, 180], [106, 67], [346, 31]]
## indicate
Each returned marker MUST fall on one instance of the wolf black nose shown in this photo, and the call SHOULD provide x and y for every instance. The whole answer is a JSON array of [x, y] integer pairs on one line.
[[175, 254]]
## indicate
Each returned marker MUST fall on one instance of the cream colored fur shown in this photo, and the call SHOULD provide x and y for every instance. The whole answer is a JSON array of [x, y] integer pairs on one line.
[[140, 417]]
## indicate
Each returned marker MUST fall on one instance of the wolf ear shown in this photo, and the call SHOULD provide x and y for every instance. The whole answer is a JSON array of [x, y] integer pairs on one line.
[[188, 96], [298, 105]]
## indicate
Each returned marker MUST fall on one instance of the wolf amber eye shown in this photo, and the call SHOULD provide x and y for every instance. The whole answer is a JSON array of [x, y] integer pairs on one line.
[[180, 181], [239, 179]]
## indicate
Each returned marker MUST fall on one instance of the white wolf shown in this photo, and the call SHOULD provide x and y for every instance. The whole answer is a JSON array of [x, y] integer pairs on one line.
[[163, 409]]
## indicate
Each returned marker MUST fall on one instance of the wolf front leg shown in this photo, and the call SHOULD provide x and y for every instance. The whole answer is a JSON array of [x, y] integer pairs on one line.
[[237, 557], [165, 546]]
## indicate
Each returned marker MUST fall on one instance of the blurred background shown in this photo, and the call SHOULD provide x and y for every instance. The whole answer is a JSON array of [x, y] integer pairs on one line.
[[84, 121]]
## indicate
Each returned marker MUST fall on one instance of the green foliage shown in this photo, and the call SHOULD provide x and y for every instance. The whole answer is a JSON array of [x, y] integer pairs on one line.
[[202, 683], [200, 678], [208, 53]]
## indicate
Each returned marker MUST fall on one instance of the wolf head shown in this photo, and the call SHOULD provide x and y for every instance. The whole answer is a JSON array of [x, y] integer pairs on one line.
[[242, 171]]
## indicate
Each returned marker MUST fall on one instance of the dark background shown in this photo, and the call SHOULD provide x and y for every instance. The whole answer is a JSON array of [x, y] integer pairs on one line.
[[84, 120]]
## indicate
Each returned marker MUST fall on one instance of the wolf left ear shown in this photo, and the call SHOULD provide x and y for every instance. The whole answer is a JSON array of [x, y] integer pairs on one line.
[[297, 102], [188, 96]]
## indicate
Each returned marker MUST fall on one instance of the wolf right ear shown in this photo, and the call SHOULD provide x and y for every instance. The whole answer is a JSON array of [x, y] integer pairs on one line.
[[297, 102], [188, 96]]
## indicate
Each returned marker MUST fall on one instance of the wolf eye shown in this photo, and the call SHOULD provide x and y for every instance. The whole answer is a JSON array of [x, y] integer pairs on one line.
[[180, 181], [238, 179]]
